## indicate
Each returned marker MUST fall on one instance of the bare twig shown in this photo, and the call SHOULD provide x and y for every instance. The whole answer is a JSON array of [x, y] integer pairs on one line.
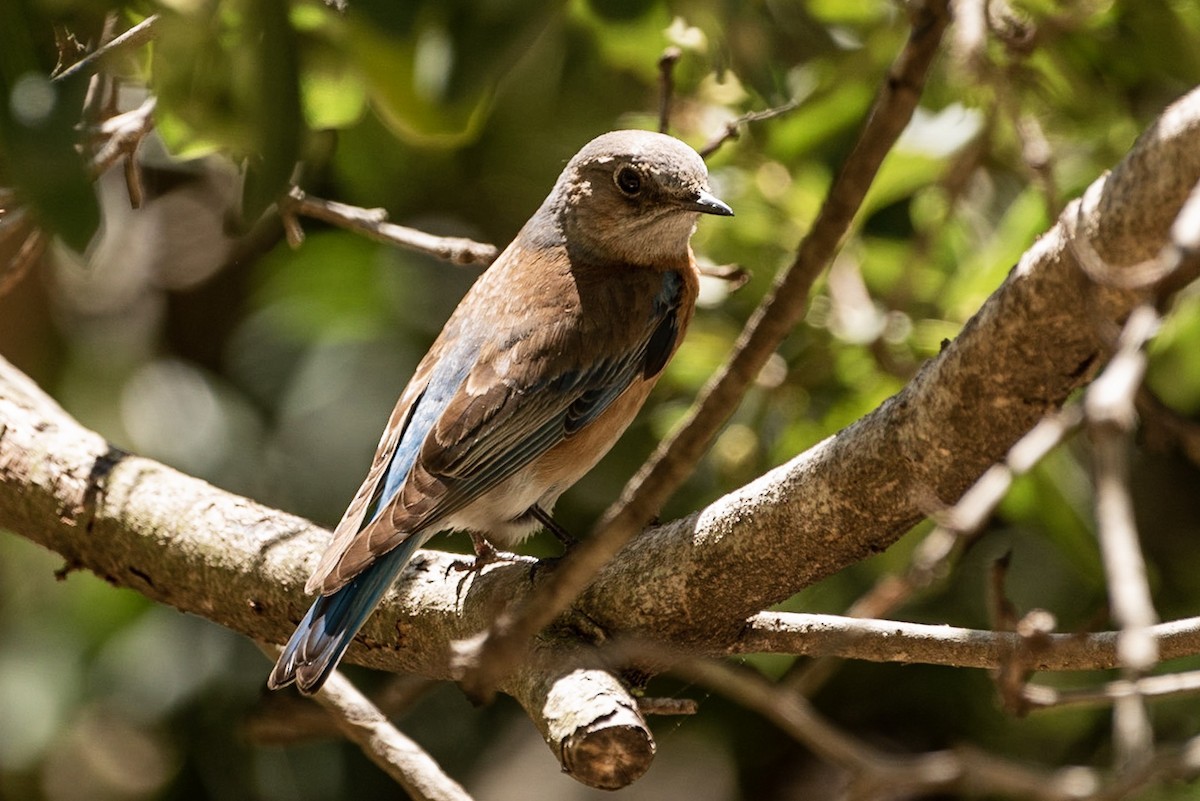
[[668, 706], [666, 85], [284, 718], [1037, 155], [675, 458], [969, 44], [878, 774], [1111, 418], [735, 274], [1158, 688], [400, 757], [1110, 406], [133, 38], [373, 224], [733, 128], [33, 245], [897, 641], [975, 19], [121, 136]]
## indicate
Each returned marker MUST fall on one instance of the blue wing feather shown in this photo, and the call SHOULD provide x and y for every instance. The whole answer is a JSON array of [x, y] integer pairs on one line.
[[447, 377], [332, 621]]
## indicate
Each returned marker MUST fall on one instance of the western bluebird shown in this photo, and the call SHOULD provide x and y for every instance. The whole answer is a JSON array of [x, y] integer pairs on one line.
[[541, 367]]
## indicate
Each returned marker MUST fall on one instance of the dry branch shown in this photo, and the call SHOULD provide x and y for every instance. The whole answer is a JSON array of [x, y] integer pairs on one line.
[[373, 224], [898, 641], [397, 755]]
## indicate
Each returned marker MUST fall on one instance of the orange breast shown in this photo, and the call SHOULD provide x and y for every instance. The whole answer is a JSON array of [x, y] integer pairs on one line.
[[567, 462]]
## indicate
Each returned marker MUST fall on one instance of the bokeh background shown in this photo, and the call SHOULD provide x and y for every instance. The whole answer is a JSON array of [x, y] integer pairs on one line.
[[190, 332]]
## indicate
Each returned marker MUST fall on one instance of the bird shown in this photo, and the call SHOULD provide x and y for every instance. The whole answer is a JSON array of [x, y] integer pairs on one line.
[[533, 378]]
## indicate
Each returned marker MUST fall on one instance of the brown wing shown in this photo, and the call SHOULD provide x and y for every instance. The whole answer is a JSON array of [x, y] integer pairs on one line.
[[547, 359]]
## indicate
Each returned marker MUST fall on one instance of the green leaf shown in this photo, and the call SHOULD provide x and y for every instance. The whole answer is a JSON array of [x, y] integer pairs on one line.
[[38, 136], [276, 95], [230, 81]]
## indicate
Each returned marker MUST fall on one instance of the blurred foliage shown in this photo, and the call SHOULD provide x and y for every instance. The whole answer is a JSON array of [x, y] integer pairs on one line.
[[185, 332]]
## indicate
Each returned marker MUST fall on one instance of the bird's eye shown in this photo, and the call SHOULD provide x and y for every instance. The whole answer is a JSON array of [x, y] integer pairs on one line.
[[628, 181]]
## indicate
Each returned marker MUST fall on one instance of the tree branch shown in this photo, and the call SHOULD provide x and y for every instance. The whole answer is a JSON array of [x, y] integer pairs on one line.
[[373, 224], [396, 754], [897, 641]]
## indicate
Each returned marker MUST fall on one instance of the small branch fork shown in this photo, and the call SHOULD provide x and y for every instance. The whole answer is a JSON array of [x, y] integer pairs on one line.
[[956, 528], [733, 128], [115, 136], [373, 224], [145, 31]]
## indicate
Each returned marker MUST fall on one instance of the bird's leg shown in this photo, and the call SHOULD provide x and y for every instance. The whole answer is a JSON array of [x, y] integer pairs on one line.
[[485, 552], [551, 525]]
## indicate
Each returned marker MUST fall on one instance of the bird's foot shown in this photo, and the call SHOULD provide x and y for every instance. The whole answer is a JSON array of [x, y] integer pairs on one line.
[[485, 554]]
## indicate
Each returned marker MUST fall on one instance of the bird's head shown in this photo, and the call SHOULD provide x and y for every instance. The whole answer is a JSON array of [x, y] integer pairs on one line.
[[633, 197]]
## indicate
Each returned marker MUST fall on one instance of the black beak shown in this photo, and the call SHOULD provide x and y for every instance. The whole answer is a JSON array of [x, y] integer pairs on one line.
[[708, 203]]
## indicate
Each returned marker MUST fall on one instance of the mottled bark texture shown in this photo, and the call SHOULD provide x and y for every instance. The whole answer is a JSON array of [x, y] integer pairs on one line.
[[694, 581]]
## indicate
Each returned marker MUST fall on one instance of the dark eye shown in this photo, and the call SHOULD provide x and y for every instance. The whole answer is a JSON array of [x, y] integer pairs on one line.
[[628, 181]]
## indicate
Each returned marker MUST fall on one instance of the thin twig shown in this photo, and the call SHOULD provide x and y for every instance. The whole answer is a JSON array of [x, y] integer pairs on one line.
[[400, 757], [1111, 418], [666, 83], [373, 224], [735, 274], [733, 128], [1110, 406], [918, 643], [131, 39], [26, 256], [121, 136], [675, 459], [1158, 688], [283, 718], [879, 774], [668, 706]]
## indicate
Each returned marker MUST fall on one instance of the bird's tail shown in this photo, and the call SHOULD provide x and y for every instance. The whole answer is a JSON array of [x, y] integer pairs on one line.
[[323, 636]]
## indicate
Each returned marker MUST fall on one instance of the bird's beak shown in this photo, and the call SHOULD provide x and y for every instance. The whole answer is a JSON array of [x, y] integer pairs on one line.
[[708, 203]]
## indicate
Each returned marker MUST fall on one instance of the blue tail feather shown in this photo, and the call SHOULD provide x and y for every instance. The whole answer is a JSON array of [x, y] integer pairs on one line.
[[327, 630]]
